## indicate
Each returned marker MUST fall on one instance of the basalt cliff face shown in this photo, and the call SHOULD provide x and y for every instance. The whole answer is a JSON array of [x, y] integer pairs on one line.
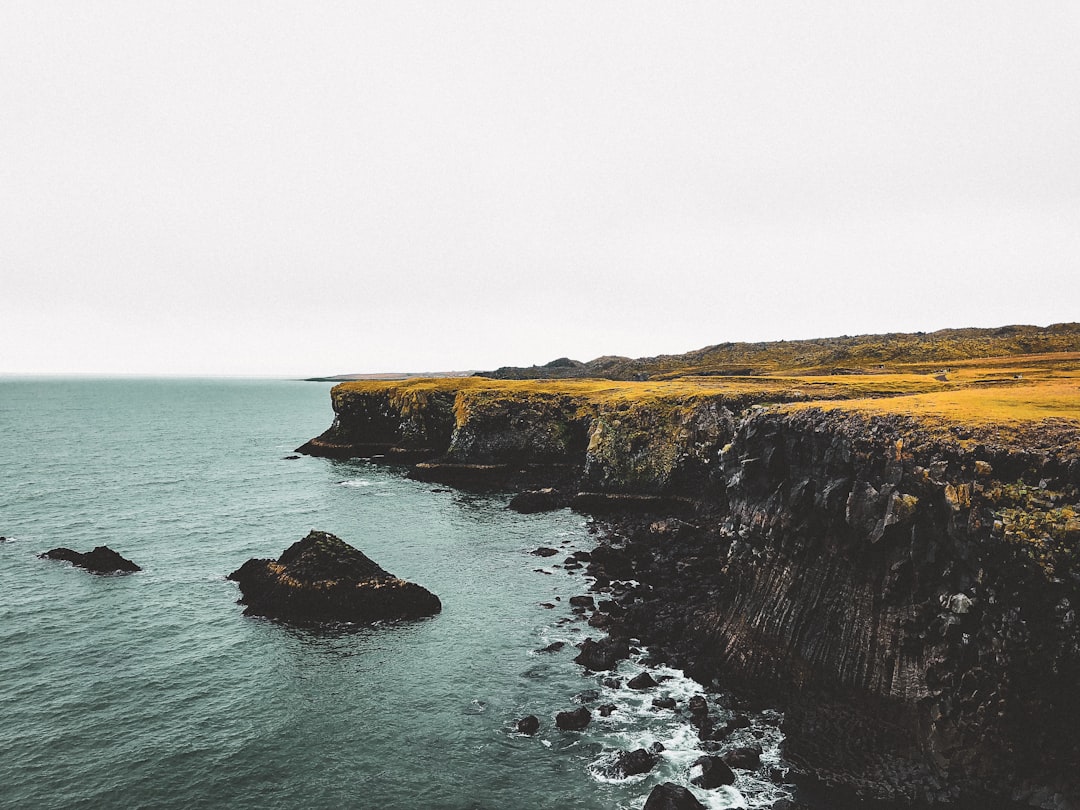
[[907, 593]]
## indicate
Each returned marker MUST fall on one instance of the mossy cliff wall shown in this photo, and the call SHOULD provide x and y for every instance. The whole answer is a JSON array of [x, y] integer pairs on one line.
[[907, 594], [652, 444]]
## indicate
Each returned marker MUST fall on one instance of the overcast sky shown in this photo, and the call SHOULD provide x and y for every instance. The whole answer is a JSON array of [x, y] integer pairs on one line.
[[294, 188]]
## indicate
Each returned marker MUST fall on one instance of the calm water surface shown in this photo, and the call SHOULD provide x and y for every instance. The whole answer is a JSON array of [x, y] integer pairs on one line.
[[152, 690]]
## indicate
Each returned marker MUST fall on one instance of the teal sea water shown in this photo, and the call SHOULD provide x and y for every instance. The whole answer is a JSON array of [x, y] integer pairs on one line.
[[151, 690]]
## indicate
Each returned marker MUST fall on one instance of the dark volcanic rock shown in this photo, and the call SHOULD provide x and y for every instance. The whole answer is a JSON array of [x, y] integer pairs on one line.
[[553, 647], [642, 681], [102, 560], [631, 763], [602, 655], [747, 759], [664, 703], [606, 709], [714, 773], [544, 551], [528, 725], [536, 500], [670, 796], [582, 601], [323, 579], [573, 721]]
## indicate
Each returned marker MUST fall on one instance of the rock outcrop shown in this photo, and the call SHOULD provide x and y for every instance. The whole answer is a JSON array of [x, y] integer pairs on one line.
[[321, 578], [102, 560]]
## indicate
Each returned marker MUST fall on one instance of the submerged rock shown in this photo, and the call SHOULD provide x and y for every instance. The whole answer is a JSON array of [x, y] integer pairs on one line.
[[102, 560], [670, 796], [323, 579], [528, 725]]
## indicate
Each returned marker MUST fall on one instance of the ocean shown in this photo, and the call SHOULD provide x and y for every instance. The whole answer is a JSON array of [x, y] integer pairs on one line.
[[152, 690]]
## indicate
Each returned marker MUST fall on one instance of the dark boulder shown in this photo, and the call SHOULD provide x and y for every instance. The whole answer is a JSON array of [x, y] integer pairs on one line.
[[588, 696], [698, 706], [714, 773], [528, 725], [664, 703], [746, 759], [582, 601], [603, 654], [102, 560], [554, 646], [670, 796], [642, 681], [606, 709], [323, 579], [576, 720], [544, 551], [537, 500], [631, 763]]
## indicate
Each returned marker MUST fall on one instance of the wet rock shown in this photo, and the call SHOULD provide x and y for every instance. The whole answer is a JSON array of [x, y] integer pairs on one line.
[[605, 709], [714, 773], [553, 647], [528, 725], [588, 696], [670, 796], [544, 551], [746, 759], [582, 601], [321, 578], [698, 706], [613, 683], [602, 655], [576, 720], [290, 458], [642, 681], [631, 763], [536, 500], [102, 560], [664, 703]]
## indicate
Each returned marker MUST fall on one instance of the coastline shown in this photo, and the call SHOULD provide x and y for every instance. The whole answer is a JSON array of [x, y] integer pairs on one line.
[[867, 571]]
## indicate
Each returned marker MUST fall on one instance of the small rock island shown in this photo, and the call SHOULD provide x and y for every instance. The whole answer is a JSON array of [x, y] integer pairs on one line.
[[102, 560], [323, 579]]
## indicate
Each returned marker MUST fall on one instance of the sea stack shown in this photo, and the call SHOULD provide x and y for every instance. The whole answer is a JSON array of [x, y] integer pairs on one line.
[[323, 579]]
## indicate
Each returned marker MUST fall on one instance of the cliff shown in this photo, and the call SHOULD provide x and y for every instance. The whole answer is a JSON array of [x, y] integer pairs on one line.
[[892, 558]]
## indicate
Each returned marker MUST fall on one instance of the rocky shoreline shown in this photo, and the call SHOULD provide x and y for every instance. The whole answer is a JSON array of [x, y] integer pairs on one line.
[[906, 595]]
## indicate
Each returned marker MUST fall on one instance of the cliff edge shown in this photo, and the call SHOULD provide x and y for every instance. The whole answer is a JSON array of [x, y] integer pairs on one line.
[[892, 558]]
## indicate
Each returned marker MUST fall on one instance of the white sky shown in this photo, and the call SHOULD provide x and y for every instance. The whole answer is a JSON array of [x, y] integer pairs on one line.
[[295, 188]]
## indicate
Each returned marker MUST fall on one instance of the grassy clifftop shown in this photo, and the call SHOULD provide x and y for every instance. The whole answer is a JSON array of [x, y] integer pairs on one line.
[[845, 354], [1001, 392]]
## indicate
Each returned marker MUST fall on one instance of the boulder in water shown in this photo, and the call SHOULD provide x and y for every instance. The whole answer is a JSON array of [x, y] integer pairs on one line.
[[102, 560], [631, 763], [670, 796], [323, 579], [528, 725], [714, 773], [576, 720], [602, 655]]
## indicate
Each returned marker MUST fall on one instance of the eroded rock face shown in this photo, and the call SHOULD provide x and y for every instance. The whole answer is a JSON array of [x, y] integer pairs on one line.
[[323, 579], [102, 560]]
